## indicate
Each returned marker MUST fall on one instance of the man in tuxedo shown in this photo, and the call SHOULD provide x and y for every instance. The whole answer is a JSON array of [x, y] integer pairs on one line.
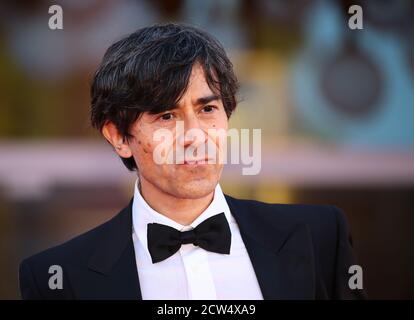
[[180, 237]]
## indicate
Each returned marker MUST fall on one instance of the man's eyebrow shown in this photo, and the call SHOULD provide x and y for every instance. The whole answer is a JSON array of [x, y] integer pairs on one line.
[[207, 99], [200, 101]]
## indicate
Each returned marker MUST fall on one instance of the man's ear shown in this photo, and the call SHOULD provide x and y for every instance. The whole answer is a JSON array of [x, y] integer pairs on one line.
[[111, 133]]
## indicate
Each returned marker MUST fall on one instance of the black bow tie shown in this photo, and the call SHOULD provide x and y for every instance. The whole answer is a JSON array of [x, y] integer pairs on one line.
[[213, 234]]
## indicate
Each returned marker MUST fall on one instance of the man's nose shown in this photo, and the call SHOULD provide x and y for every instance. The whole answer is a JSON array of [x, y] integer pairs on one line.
[[192, 132]]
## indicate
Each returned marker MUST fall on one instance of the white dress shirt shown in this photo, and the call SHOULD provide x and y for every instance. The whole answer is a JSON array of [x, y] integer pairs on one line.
[[192, 272]]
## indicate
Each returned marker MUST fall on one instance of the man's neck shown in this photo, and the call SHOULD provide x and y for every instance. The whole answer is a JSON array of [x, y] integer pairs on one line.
[[182, 211]]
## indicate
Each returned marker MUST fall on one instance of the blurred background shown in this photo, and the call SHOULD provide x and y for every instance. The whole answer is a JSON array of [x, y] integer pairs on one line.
[[335, 107]]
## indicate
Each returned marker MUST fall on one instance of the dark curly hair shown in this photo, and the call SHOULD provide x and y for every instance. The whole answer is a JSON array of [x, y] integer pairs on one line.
[[149, 70]]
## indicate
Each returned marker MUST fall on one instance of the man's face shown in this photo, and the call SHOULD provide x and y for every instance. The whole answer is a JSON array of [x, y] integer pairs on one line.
[[199, 110]]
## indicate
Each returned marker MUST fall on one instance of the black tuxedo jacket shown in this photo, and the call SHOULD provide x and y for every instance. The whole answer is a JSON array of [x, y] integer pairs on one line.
[[297, 251]]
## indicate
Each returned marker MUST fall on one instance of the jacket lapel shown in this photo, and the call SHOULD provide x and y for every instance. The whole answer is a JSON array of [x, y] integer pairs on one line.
[[281, 252], [111, 272]]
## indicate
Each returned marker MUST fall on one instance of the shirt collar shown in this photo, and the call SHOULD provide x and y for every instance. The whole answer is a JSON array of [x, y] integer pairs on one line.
[[142, 214]]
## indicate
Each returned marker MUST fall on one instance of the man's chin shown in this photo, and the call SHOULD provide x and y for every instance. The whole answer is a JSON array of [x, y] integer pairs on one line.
[[195, 189]]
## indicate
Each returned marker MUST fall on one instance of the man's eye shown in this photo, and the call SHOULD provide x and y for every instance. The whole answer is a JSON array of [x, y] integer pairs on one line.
[[208, 109], [167, 116]]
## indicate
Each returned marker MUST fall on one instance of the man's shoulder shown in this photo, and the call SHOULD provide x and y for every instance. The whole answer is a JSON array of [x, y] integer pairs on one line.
[[78, 248], [75, 256], [290, 212], [323, 221]]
